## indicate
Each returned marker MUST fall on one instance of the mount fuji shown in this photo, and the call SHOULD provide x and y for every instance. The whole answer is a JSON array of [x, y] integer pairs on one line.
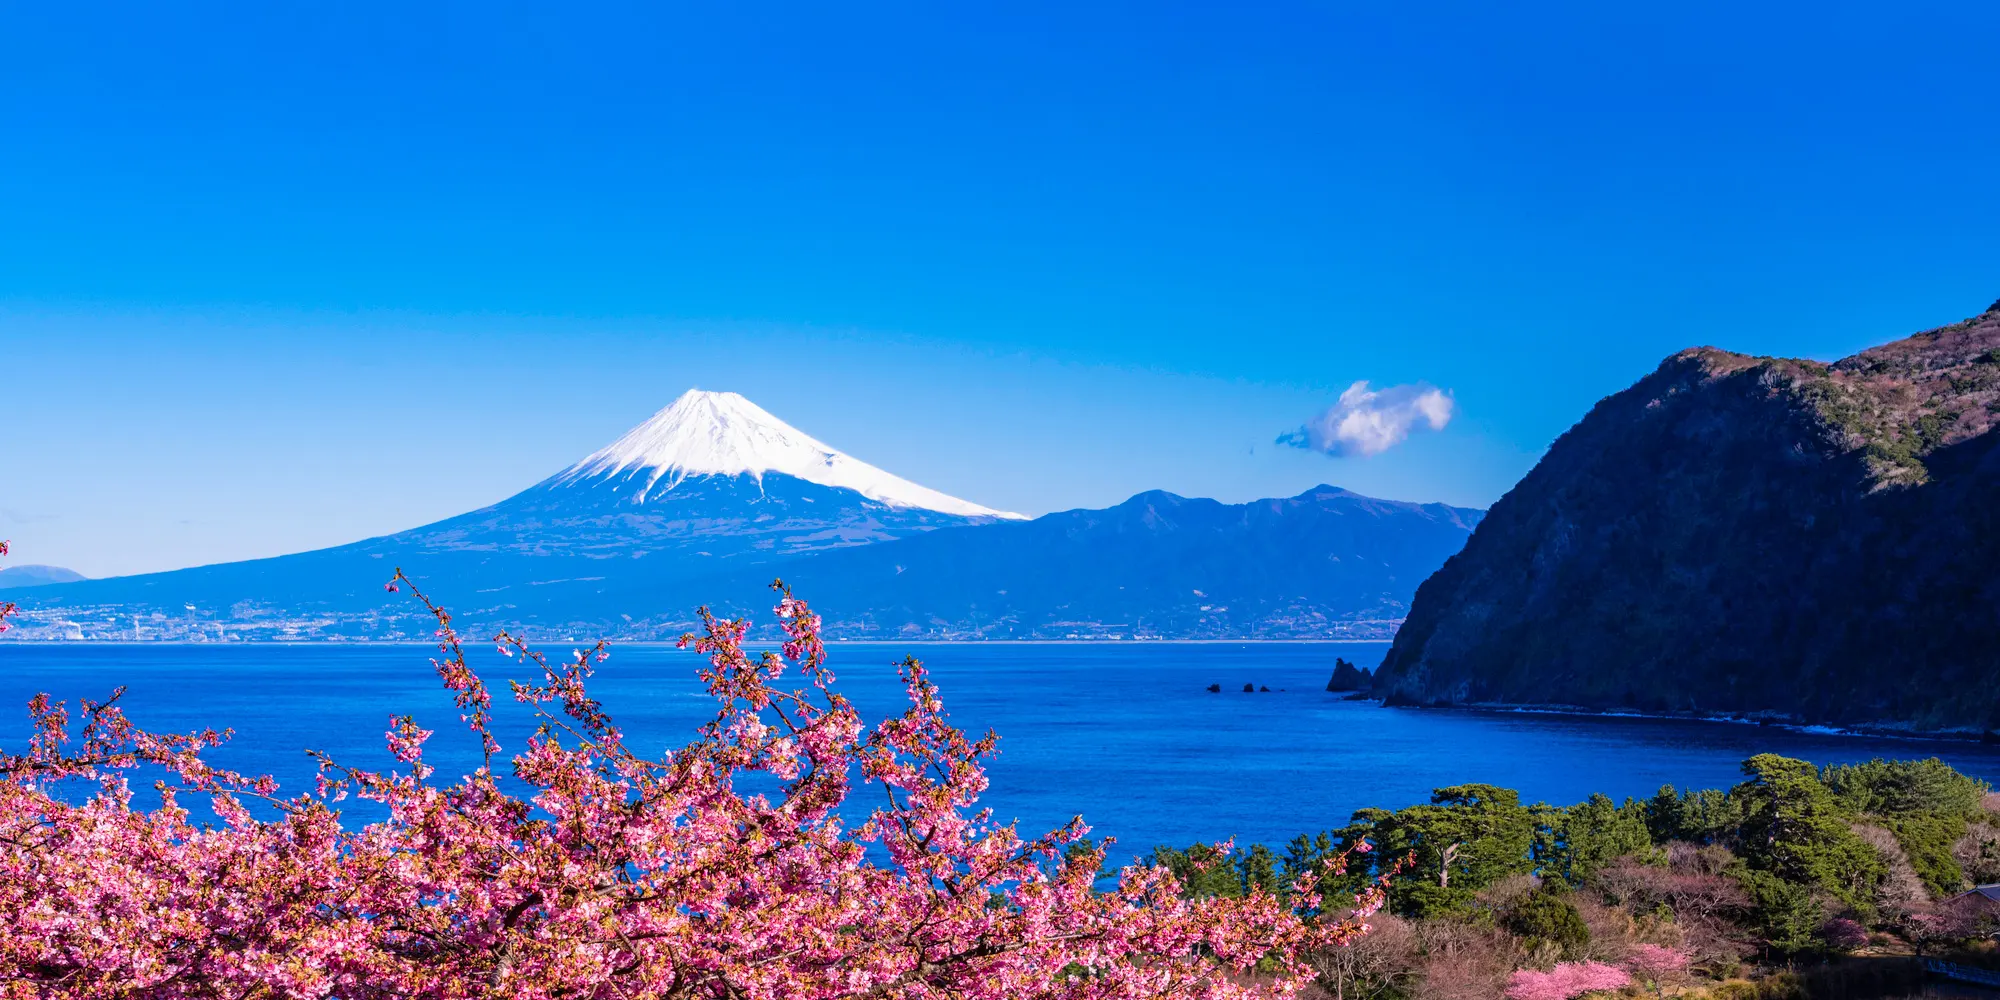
[[712, 497], [711, 476], [711, 480]]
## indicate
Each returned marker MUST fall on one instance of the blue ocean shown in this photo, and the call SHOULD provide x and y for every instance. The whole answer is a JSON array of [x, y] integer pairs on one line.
[[1125, 734]]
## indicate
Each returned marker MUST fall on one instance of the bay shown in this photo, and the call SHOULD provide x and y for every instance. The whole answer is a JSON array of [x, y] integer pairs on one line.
[[1125, 734]]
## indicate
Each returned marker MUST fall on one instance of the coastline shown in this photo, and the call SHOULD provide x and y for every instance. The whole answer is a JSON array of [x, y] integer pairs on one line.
[[1872, 730]]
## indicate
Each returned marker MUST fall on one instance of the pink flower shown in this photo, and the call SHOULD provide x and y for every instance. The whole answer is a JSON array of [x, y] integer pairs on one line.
[[718, 869], [1566, 980], [1652, 961], [1843, 934]]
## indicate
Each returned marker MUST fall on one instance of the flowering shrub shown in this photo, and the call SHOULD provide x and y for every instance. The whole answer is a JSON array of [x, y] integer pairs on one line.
[[1658, 965], [1566, 980], [720, 871], [1843, 934]]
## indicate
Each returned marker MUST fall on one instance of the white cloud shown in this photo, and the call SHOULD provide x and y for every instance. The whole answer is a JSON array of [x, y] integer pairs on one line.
[[1371, 421]]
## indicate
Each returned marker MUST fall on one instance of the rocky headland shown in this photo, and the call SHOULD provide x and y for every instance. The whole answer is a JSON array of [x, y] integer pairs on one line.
[[1783, 538]]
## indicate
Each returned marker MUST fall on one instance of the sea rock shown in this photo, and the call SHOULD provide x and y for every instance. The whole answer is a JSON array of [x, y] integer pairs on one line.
[[1348, 677]]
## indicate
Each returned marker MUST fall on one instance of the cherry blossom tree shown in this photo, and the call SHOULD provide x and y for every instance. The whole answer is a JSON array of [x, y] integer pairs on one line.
[[739, 867], [1566, 980], [5, 608], [1843, 934], [1658, 966], [1942, 924]]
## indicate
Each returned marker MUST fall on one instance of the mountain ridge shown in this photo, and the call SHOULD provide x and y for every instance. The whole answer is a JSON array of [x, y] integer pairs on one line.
[[711, 497], [1321, 564], [36, 575]]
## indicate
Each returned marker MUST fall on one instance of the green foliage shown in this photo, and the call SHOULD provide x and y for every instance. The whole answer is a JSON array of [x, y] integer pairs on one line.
[[1548, 916], [1705, 816], [1791, 824], [1792, 846], [1928, 840], [1925, 803], [1788, 914], [1311, 854], [1794, 828], [1574, 843], [1306, 853], [1204, 870], [1257, 869], [1467, 838], [1901, 787]]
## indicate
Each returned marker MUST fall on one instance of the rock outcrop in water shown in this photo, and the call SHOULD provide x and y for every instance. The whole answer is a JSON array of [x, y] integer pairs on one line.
[[1348, 677], [1740, 534]]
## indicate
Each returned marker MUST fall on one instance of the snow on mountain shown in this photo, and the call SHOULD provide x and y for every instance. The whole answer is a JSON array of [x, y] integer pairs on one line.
[[724, 434], [712, 498]]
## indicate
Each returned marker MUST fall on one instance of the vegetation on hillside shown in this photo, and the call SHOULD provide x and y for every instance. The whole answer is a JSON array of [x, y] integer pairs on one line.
[[1798, 882]]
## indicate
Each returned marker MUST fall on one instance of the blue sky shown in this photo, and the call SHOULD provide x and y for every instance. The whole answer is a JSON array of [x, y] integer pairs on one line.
[[280, 276]]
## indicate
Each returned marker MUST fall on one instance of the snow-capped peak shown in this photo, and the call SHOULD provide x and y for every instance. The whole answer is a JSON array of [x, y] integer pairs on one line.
[[724, 434]]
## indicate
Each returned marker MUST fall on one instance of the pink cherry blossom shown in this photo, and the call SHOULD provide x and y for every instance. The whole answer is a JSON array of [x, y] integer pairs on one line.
[[5, 608], [1566, 980], [736, 867]]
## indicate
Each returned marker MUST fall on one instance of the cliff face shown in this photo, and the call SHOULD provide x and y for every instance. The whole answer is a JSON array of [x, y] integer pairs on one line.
[[1738, 534]]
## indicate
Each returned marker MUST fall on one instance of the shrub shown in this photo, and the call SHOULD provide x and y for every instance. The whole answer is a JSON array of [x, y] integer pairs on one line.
[[1460, 962], [1843, 934], [1546, 916]]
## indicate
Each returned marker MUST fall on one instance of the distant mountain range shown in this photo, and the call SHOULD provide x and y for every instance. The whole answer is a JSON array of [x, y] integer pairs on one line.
[[1327, 563], [1736, 534], [32, 575], [713, 497]]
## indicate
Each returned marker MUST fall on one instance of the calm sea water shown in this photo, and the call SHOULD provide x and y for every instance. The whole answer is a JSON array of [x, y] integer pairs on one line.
[[1126, 735]]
